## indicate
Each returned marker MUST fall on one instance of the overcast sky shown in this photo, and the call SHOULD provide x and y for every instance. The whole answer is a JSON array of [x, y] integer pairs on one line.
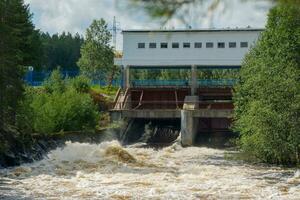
[[56, 16]]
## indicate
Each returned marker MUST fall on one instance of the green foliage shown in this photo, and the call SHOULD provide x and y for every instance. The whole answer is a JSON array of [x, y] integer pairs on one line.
[[97, 55], [55, 83], [181, 74], [59, 50], [62, 105], [218, 74], [67, 111], [17, 51], [81, 84], [110, 91], [159, 74], [267, 100], [25, 116]]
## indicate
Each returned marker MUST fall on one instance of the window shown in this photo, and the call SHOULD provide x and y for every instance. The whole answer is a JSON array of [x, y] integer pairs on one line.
[[232, 44], [244, 44], [152, 45], [221, 45], [164, 45], [141, 45], [209, 45], [186, 45], [198, 45], [175, 45]]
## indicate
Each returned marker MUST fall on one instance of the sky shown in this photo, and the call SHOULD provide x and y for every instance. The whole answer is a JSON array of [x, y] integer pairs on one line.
[[56, 16]]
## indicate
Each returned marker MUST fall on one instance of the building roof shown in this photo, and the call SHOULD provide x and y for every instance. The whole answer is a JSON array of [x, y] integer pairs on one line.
[[192, 30]]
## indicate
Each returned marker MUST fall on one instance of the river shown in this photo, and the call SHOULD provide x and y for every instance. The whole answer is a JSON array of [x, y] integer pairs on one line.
[[110, 171]]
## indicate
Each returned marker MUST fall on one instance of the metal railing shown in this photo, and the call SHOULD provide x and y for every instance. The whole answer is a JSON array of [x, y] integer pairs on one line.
[[147, 83], [217, 82], [183, 83]]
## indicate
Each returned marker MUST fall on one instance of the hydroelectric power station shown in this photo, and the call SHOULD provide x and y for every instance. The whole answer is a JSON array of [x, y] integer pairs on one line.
[[199, 71]]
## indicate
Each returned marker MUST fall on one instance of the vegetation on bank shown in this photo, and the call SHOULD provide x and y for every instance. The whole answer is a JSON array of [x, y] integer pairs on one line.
[[60, 105], [108, 91], [18, 49], [267, 100]]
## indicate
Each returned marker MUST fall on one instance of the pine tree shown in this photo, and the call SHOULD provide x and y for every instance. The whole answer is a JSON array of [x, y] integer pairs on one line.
[[60, 50], [17, 51]]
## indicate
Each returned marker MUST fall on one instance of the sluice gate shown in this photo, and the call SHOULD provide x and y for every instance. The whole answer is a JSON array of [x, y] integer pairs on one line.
[[209, 110]]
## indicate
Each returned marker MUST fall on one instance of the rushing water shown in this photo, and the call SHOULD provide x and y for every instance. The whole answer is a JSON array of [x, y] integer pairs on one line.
[[110, 171]]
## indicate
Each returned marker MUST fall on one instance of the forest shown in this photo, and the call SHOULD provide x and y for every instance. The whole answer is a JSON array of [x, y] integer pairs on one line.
[[59, 50]]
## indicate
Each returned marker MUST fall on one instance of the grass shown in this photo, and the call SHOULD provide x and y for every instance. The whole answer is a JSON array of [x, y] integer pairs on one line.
[[106, 90]]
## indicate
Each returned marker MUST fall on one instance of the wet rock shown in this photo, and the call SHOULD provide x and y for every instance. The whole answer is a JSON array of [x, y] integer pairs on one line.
[[120, 153]]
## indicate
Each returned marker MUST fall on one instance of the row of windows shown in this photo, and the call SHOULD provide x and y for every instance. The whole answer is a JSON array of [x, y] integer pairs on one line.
[[175, 45]]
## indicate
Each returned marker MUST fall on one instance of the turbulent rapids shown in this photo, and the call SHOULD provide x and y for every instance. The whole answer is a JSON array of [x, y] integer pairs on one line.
[[110, 171]]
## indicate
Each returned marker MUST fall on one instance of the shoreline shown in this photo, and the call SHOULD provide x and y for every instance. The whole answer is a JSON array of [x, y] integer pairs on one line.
[[40, 145]]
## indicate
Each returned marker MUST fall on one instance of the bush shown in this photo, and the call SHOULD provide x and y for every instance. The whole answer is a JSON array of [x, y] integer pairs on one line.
[[267, 100], [81, 84], [62, 105], [106, 90], [55, 83], [67, 111]]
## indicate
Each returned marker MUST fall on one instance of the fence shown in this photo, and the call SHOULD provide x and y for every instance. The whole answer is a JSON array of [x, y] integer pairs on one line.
[[36, 78]]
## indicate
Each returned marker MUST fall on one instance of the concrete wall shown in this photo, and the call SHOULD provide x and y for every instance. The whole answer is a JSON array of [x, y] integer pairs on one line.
[[170, 114]]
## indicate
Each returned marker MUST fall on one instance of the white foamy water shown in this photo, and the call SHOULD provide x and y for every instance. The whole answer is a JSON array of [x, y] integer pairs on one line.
[[109, 171]]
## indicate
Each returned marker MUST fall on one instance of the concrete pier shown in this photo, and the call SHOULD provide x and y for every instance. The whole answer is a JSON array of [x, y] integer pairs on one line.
[[188, 122], [188, 128]]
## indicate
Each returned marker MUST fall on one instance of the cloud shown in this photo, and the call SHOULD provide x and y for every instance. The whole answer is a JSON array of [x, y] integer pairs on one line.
[[228, 13], [56, 16], [73, 15]]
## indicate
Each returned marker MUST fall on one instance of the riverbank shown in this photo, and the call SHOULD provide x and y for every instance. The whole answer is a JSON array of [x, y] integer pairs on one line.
[[35, 147]]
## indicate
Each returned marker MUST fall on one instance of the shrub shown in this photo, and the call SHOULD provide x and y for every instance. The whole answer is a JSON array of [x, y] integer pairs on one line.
[[67, 111], [62, 105], [55, 83], [80, 84]]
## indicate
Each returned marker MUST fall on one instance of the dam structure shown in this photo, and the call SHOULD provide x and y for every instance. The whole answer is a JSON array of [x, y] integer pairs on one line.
[[182, 74]]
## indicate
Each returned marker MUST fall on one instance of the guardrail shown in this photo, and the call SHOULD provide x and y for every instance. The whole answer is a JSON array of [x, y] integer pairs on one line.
[[217, 82], [139, 83], [183, 83]]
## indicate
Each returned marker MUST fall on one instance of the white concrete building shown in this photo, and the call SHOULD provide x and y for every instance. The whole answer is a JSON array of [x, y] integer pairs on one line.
[[186, 48]]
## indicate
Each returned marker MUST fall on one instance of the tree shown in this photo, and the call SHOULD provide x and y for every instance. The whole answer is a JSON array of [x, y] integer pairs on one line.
[[267, 99], [97, 55], [17, 51]]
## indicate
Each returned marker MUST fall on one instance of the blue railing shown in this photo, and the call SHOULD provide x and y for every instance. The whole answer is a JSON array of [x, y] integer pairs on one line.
[[36, 78], [184, 83], [217, 82], [146, 83]]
